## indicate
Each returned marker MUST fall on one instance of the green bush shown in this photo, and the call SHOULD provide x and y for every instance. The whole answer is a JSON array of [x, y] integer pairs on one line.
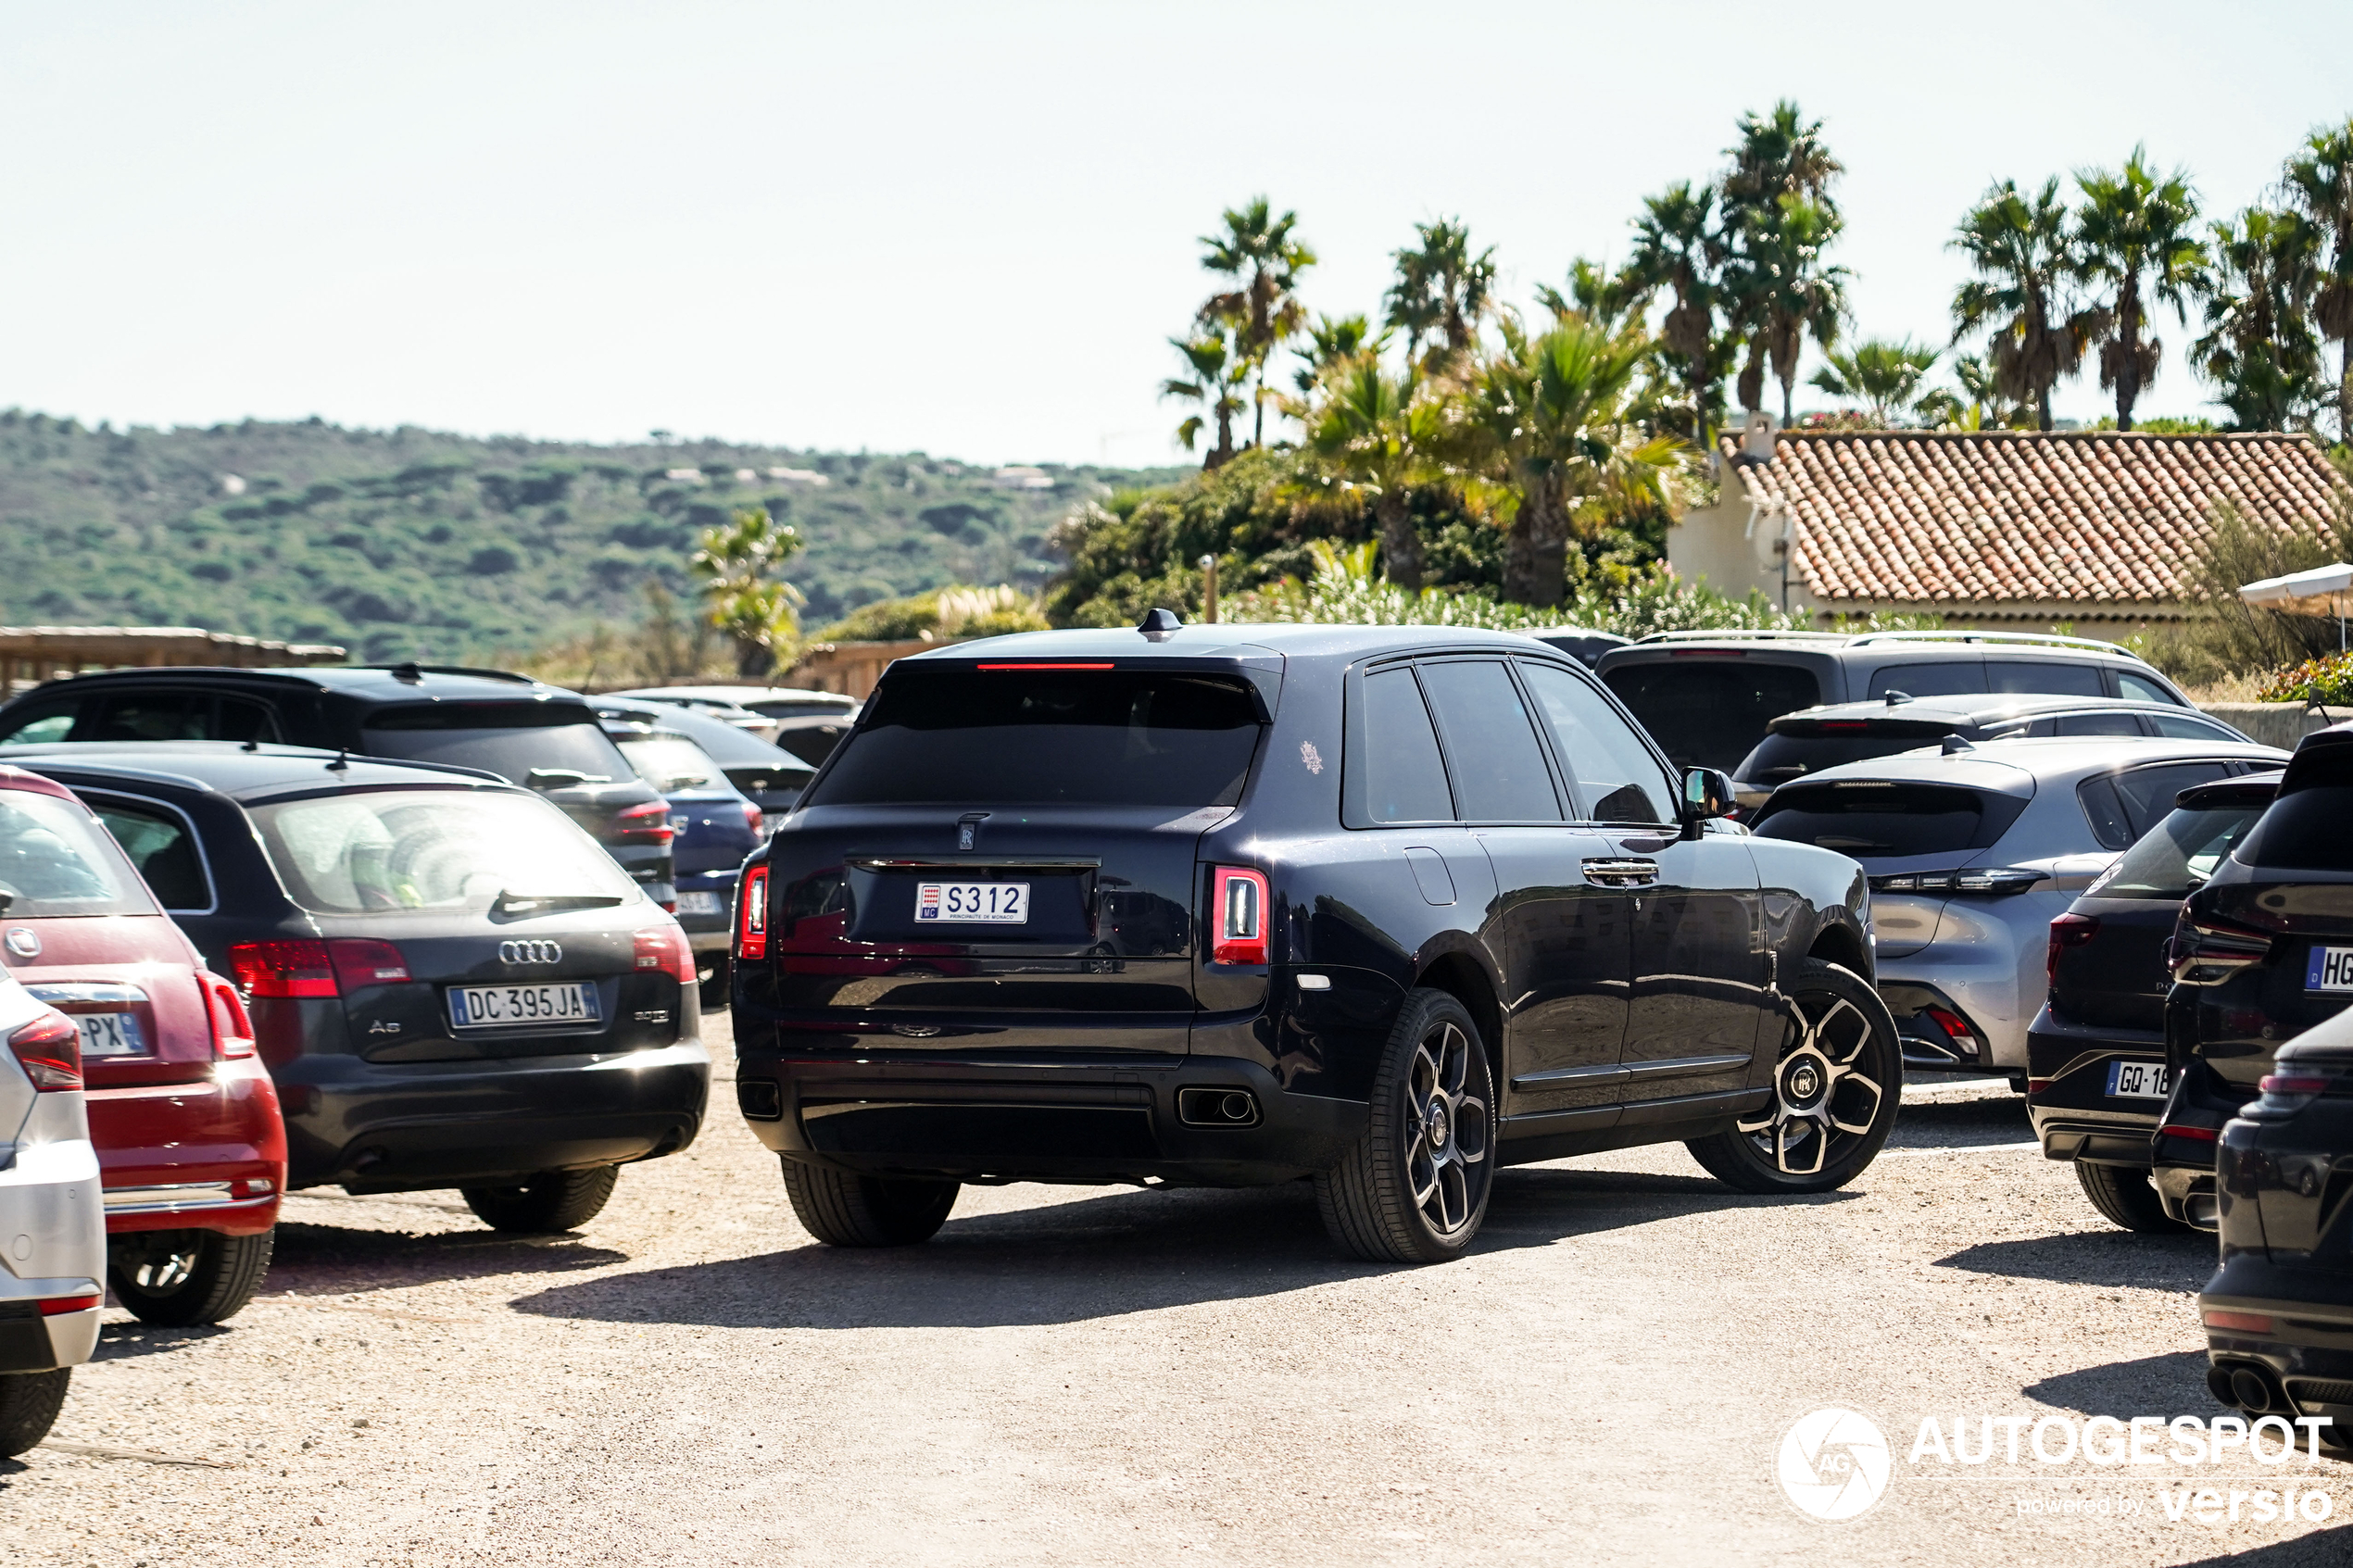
[[2327, 680]]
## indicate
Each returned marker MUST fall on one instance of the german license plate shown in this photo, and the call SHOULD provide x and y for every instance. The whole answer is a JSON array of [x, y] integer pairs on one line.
[[2136, 1080], [982, 903], [110, 1034], [492, 1007], [700, 904], [2330, 968]]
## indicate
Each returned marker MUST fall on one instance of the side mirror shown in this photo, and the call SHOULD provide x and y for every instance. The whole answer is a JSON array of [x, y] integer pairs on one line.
[[1707, 792]]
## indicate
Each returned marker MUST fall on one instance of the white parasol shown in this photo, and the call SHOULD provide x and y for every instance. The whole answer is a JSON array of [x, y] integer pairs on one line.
[[2322, 591]]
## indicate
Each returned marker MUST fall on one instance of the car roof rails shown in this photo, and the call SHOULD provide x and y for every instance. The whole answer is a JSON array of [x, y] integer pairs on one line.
[[410, 670], [2009, 639], [1747, 633]]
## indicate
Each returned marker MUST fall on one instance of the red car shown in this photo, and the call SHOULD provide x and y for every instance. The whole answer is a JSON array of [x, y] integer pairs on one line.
[[191, 1150]]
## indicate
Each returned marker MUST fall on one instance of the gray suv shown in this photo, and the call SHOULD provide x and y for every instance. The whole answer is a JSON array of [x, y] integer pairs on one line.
[[1971, 852], [1708, 696]]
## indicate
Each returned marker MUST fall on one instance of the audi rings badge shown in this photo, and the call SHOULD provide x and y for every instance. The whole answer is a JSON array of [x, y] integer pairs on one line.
[[531, 952]]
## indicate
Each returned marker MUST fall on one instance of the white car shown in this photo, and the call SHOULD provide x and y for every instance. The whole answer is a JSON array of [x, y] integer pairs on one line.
[[52, 1226], [1972, 851]]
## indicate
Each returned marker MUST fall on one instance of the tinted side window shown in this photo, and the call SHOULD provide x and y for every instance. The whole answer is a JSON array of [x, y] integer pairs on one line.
[[2045, 675], [1708, 713], [155, 716], [2187, 727], [163, 849], [40, 724], [2100, 724], [2141, 688], [240, 720], [1498, 765], [1612, 773], [1945, 677], [1405, 781], [2122, 806]]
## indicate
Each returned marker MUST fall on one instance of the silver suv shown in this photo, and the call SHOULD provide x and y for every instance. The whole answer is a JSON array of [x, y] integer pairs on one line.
[[53, 1236], [1971, 852]]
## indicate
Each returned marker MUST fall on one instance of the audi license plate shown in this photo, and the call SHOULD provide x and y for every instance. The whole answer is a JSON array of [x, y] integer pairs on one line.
[[110, 1034], [2136, 1080], [489, 1006], [700, 904], [984, 903], [2330, 968]]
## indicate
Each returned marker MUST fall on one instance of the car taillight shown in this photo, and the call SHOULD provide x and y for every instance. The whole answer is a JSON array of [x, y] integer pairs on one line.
[[58, 1306], [649, 823], [307, 967], [231, 1025], [2067, 931], [754, 820], [2208, 951], [2285, 1094], [2240, 1323], [664, 948], [49, 1048], [752, 914], [1239, 897], [1952, 1023]]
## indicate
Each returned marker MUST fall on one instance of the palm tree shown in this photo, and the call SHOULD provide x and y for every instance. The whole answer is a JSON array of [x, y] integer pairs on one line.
[[1611, 301], [1380, 433], [2136, 234], [1677, 247], [1778, 155], [1783, 292], [2260, 348], [1217, 377], [1884, 376], [1552, 416], [1333, 341], [2023, 254], [735, 564], [1258, 252], [1441, 290], [2319, 181]]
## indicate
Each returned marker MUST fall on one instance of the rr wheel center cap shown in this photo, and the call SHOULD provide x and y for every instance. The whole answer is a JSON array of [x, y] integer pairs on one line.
[[1804, 1084], [1435, 1120]]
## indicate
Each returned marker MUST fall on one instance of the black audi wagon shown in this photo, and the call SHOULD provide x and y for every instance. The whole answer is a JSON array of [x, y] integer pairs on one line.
[[452, 984], [1383, 906]]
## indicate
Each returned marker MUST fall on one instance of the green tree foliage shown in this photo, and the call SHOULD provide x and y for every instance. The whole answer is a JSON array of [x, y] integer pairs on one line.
[[1441, 294], [2261, 350], [1215, 380], [1887, 378], [1258, 252], [2136, 237], [2318, 182], [1678, 247], [2022, 250], [1381, 434], [739, 569], [1779, 220], [2234, 638]]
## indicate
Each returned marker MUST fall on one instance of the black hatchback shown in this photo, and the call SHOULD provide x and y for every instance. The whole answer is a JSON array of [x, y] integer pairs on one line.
[[452, 984], [1234, 905], [527, 733]]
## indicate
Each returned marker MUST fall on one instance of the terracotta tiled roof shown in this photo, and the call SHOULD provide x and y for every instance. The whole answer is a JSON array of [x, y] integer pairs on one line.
[[1952, 517]]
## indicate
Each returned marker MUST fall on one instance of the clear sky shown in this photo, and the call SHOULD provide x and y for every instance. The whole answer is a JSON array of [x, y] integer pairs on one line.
[[966, 229]]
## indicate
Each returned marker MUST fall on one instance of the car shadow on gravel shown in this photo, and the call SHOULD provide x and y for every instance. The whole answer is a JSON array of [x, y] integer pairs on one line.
[[2168, 1385], [122, 1341], [1123, 1252], [320, 1259], [2181, 1260], [2333, 1547]]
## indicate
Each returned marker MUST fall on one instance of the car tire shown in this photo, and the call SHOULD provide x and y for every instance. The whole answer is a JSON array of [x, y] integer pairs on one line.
[[715, 986], [842, 1209], [179, 1279], [540, 1205], [1838, 1083], [2125, 1195], [28, 1406], [1415, 1188]]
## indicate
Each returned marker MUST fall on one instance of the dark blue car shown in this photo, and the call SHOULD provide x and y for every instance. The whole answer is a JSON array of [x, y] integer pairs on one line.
[[716, 824]]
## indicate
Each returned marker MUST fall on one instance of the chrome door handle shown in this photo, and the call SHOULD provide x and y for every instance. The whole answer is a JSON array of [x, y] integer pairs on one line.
[[1621, 872]]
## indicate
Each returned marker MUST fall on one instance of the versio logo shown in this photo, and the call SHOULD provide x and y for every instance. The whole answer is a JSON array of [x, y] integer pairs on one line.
[[531, 952], [1833, 1463]]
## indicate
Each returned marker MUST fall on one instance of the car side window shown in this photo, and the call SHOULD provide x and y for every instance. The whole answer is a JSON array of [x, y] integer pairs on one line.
[[2099, 724], [2187, 727], [240, 720], [163, 849], [1496, 762], [1945, 677], [2142, 689], [42, 724], [1405, 780], [1612, 773], [2046, 677], [2121, 807], [154, 716]]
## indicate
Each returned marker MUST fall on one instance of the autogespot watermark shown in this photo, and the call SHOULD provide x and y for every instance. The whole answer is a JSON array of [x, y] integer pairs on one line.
[[1835, 1464]]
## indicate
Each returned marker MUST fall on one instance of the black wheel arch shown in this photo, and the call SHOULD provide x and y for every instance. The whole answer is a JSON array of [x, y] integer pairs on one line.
[[1464, 978]]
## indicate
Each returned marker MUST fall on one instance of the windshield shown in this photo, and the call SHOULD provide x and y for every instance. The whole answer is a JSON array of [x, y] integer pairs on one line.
[[56, 859], [1088, 737], [505, 738], [385, 851], [1780, 757], [2178, 854], [1884, 821], [1708, 713], [670, 762]]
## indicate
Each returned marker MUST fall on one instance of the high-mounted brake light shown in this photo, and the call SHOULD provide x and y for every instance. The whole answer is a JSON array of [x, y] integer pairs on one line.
[[49, 1050], [664, 948], [752, 914], [1239, 897], [649, 823], [1059, 665], [231, 1025]]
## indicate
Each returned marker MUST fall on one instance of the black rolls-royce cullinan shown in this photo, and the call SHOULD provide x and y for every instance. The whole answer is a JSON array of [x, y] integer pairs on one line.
[[1383, 906]]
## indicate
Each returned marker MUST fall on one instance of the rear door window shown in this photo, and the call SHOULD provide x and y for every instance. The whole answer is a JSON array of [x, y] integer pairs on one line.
[[1943, 677], [1497, 763], [166, 715], [1397, 757], [2187, 726], [513, 740], [2121, 807], [1078, 737], [38, 724], [2049, 676], [2142, 689], [163, 847], [1612, 773], [1873, 820], [2098, 724], [1710, 713]]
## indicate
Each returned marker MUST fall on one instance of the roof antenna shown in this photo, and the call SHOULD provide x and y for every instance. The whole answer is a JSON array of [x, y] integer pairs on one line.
[[1159, 623], [408, 672], [1895, 697], [342, 762], [1956, 744], [252, 744]]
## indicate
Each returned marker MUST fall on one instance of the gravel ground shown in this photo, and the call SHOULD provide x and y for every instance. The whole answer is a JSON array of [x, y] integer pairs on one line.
[[1080, 1375]]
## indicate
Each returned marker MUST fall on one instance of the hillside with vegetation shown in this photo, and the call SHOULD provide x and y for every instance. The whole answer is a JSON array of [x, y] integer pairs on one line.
[[418, 543]]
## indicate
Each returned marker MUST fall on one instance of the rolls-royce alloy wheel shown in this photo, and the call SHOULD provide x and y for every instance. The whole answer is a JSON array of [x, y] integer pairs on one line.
[[1415, 1189], [1837, 1083]]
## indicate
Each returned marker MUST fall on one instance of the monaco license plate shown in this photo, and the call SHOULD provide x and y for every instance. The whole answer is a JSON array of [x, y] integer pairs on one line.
[[983, 903], [2136, 1080], [700, 904], [2330, 968], [110, 1034], [493, 1006]]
